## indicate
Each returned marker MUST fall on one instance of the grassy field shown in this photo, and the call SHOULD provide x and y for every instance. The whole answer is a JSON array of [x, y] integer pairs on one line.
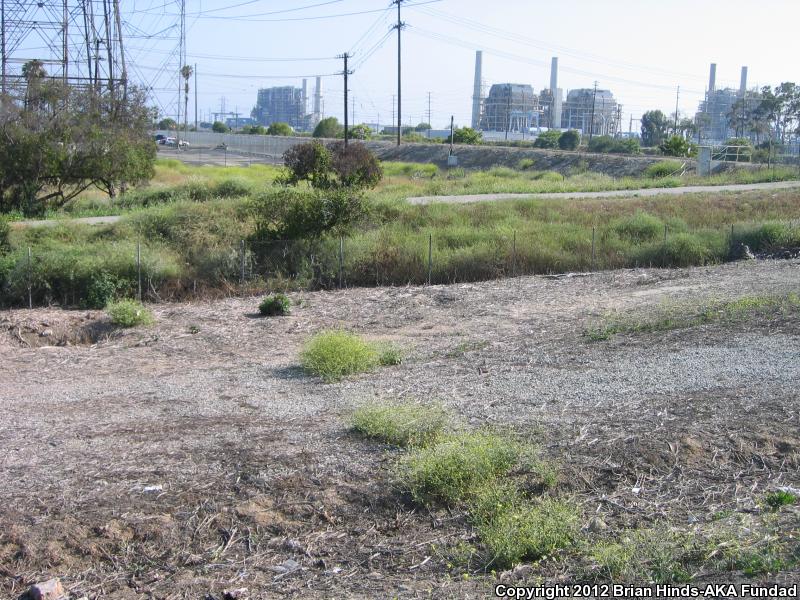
[[191, 221]]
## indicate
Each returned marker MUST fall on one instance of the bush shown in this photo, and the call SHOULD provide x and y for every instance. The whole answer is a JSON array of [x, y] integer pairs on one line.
[[293, 214], [219, 127], [547, 139], [405, 425], [279, 129], [528, 531], [102, 289], [335, 166], [569, 140], [638, 228], [5, 234], [355, 166], [328, 128], [129, 313], [232, 188], [457, 467], [680, 250], [665, 168], [389, 356], [525, 163], [601, 143], [276, 305], [335, 354], [676, 145]]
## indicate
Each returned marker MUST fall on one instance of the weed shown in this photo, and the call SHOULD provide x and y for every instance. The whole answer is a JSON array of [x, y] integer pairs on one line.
[[335, 354], [665, 168], [775, 500], [405, 425], [613, 559], [389, 355], [275, 305], [129, 313], [525, 164], [193, 329], [529, 531], [458, 466]]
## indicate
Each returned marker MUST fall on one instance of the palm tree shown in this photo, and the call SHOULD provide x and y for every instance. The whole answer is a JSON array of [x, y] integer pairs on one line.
[[186, 73]]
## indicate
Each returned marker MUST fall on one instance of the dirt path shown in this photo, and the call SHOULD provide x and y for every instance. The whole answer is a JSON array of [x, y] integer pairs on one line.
[[675, 191], [55, 222], [194, 456]]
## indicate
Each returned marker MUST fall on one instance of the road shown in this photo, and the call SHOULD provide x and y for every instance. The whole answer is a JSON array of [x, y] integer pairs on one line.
[[673, 191]]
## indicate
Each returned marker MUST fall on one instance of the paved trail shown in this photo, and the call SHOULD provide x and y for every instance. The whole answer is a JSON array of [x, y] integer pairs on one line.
[[674, 191]]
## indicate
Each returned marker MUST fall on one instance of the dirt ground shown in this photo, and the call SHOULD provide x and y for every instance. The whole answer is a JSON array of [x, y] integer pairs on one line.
[[194, 456]]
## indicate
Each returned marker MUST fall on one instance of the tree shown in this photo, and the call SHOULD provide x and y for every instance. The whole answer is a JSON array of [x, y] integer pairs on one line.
[[186, 73], [547, 139], [654, 127], [569, 140], [254, 130], [167, 124], [280, 129], [355, 166], [466, 135], [60, 141], [328, 128], [334, 166], [360, 132], [422, 127], [219, 127]]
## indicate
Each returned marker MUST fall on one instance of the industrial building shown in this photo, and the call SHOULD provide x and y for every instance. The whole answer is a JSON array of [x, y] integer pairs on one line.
[[285, 104], [510, 107], [514, 107], [592, 111], [715, 118]]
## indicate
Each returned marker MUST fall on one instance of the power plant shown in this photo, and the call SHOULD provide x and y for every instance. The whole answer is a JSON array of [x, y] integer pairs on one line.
[[716, 118], [514, 108]]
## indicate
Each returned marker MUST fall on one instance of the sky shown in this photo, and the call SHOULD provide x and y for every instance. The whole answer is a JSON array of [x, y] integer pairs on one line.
[[641, 50]]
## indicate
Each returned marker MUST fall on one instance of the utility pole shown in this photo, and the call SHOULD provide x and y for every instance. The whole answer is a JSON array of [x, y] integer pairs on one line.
[[429, 115], [393, 101], [181, 63], [345, 56], [594, 100], [677, 98], [399, 28]]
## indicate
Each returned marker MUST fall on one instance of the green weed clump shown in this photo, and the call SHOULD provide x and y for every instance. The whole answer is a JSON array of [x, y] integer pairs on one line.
[[776, 500], [639, 227], [335, 354], [405, 425], [276, 305], [458, 466], [529, 531], [129, 313], [665, 168]]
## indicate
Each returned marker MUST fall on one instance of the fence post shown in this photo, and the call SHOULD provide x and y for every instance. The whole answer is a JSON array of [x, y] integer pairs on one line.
[[593, 251], [430, 257], [241, 274], [30, 281], [341, 261], [139, 271], [514, 255]]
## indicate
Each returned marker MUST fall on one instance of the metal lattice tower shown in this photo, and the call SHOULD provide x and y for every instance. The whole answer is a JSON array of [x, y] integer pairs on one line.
[[77, 41]]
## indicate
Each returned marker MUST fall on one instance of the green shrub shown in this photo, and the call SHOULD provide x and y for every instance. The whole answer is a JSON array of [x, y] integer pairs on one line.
[[525, 163], [685, 250], [529, 531], [335, 354], [232, 188], [639, 227], [102, 289], [404, 425], [775, 500], [501, 173], [389, 355], [553, 176], [547, 139], [275, 305], [458, 466], [5, 234], [676, 145], [569, 140], [665, 168], [129, 313]]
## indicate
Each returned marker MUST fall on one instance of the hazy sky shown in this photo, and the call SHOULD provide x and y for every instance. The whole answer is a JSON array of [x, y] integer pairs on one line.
[[639, 49]]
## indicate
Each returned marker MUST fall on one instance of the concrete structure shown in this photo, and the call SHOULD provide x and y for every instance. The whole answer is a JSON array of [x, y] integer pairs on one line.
[[510, 107], [582, 103], [715, 114], [281, 105], [316, 115], [477, 91], [743, 83], [556, 97]]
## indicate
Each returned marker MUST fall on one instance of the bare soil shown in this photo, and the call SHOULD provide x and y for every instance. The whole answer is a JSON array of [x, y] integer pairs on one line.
[[194, 456]]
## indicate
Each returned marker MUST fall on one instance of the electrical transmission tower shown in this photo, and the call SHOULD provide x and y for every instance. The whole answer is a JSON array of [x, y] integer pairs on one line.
[[77, 41]]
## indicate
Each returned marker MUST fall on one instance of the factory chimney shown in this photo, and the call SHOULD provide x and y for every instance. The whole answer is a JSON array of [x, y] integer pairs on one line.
[[305, 97], [477, 91], [555, 93], [318, 101], [743, 84], [712, 78]]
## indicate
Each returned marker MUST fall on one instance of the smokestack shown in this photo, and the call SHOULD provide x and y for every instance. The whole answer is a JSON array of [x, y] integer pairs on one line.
[[743, 84], [555, 92], [305, 96], [477, 90], [712, 78], [318, 100]]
